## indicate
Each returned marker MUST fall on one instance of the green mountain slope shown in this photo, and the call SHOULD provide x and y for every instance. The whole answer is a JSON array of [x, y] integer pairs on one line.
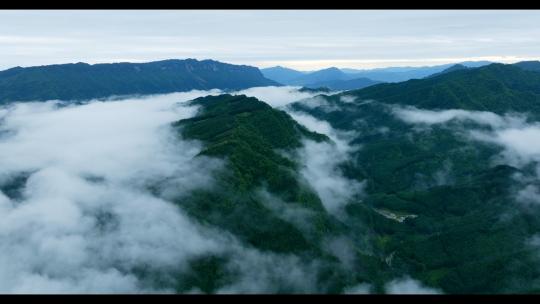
[[251, 136], [496, 88]]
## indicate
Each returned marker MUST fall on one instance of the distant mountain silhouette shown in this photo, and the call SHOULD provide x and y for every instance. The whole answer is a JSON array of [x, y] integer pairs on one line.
[[351, 84], [455, 67], [390, 74]]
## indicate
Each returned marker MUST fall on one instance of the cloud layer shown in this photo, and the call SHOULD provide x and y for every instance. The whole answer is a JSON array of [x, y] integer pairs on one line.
[[407, 285], [85, 218], [277, 96]]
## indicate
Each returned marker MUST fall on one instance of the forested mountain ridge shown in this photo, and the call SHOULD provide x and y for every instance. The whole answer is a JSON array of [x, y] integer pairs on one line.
[[248, 134], [82, 81]]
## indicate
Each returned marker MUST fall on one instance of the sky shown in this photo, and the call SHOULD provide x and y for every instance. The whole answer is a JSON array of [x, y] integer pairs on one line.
[[299, 39]]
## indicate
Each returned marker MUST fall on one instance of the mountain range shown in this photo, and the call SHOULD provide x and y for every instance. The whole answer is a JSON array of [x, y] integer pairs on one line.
[[348, 79], [80, 81]]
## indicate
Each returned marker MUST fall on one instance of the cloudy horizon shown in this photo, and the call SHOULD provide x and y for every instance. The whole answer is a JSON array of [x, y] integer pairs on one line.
[[299, 39]]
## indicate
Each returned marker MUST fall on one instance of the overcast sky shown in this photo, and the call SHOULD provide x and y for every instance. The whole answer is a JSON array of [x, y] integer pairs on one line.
[[305, 40]]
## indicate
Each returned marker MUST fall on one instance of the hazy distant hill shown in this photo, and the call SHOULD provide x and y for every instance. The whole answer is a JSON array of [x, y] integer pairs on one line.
[[329, 74], [529, 65], [348, 79], [85, 81], [398, 74], [281, 74], [332, 78]]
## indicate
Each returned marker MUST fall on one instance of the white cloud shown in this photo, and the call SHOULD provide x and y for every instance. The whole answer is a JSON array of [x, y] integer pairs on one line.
[[521, 144], [276, 96], [321, 163], [429, 117], [271, 273], [297, 215], [321, 171], [342, 248], [319, 102], [362, 288], [530, 194], [347, 98], [408, 286]]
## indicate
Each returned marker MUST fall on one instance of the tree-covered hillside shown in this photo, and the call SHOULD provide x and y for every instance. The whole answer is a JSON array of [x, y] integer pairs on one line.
[[443, 206], [497, 88], [251, 137]]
